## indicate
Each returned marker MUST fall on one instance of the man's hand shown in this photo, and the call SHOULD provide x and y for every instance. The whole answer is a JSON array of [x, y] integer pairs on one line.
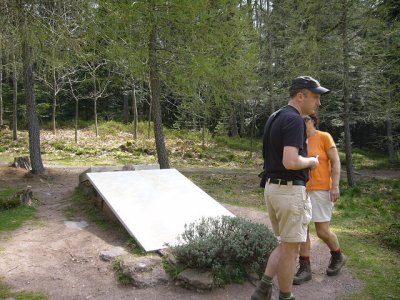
[[314, 162]]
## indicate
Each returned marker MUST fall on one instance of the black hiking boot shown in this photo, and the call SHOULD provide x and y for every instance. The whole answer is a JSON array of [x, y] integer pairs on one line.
[[303, 273], [336, 264], [263, 291]]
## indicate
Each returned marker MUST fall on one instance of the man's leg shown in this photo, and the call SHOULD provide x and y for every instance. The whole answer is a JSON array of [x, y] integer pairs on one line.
[[287, 264], [303, 273], [264, 287], [338, 260]]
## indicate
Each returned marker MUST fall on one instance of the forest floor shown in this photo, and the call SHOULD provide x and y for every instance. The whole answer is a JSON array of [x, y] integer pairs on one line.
[[47, 256]]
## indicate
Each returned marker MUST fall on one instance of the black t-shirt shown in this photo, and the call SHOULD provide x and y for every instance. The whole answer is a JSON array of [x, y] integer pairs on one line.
[[287, 129]]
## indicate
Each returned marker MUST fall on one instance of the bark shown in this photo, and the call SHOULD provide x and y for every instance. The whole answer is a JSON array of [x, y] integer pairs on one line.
[[22, 162], [135, 113], [15, 100], [269, 62], [233, 121], [150, 114], [26, 196], [1, 89], [125, 109], [346, 98], [390, 143], [242, 123], [204, 123], [33, 121], [95, 105], [76, 119], [388, 121], [53, 117], [96, 125], [155, 101]]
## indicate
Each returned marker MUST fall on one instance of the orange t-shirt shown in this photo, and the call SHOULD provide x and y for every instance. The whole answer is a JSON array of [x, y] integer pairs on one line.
[[319, 144]]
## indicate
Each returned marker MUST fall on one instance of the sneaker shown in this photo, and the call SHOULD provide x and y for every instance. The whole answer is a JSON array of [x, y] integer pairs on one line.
[[263, 291], [303, 273], [336, 264]]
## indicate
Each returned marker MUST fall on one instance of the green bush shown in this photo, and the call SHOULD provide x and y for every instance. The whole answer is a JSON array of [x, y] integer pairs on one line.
[[391, 236], [237, 143], [9, 199], [113, 128], [226, 246], [122, 277]]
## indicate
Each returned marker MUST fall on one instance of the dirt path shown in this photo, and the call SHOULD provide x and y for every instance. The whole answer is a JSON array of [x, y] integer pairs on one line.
[[47, 256]]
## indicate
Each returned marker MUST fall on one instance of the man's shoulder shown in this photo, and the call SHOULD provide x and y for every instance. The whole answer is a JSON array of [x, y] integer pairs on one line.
[[290, 116]]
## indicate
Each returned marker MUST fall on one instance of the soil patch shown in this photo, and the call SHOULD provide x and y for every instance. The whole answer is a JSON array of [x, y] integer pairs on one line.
[[46, 255]]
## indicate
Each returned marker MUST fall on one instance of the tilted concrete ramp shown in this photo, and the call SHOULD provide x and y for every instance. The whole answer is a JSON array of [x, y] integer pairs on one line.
[[154, 205]]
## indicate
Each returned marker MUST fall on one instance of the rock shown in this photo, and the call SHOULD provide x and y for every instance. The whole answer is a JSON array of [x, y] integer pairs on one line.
[[76, 225], [107, 255], [145, 271], [167, 254], [197, 279]]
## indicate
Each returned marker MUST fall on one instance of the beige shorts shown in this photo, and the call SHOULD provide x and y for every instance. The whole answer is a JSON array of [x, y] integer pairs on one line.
[[289, 209], [322, 206]]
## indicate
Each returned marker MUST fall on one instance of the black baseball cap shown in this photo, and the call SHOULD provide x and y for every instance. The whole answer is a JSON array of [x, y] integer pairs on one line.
[[309, 83]]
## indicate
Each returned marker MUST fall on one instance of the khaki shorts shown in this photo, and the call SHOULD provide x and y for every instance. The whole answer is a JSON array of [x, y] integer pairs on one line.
[[289, 209], [322, 206]]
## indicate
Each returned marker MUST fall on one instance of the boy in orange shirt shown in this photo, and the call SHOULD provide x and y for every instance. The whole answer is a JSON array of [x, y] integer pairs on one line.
[[323, 188]]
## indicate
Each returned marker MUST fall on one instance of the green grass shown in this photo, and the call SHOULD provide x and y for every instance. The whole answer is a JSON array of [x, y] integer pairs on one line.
[[11, 219], [377, 267], [363, 220], [6, 293], [84, 205], [115, 145], [367, 159], [240, 189]]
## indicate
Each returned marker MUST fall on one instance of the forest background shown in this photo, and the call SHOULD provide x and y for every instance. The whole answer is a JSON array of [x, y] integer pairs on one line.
[[220, 67]]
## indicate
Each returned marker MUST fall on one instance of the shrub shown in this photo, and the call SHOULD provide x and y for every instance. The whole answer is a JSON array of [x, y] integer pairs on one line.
[[122, 277], [9, 199], [226, 246], [391, 236]]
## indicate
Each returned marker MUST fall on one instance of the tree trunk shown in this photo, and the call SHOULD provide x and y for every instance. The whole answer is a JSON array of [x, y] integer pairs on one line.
[[155, 101], [125, 109], [96, 126], [150, 115], [233, 121], [270, 62], [53, 117], [204, 123], [76, 119], [33, 122], [242, 123], [15, 100], [346, 98], [389, 103], [135, 113], [95, 116], [1, 89], [389, 134]]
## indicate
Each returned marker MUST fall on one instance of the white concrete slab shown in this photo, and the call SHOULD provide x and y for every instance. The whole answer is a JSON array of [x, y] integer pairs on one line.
[[154, 205]]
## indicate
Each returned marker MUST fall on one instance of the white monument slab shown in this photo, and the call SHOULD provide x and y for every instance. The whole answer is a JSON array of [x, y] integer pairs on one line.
[[154, 205]]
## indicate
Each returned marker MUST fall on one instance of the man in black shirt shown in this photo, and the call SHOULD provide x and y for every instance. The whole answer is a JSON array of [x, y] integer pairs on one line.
[[286, 166]]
